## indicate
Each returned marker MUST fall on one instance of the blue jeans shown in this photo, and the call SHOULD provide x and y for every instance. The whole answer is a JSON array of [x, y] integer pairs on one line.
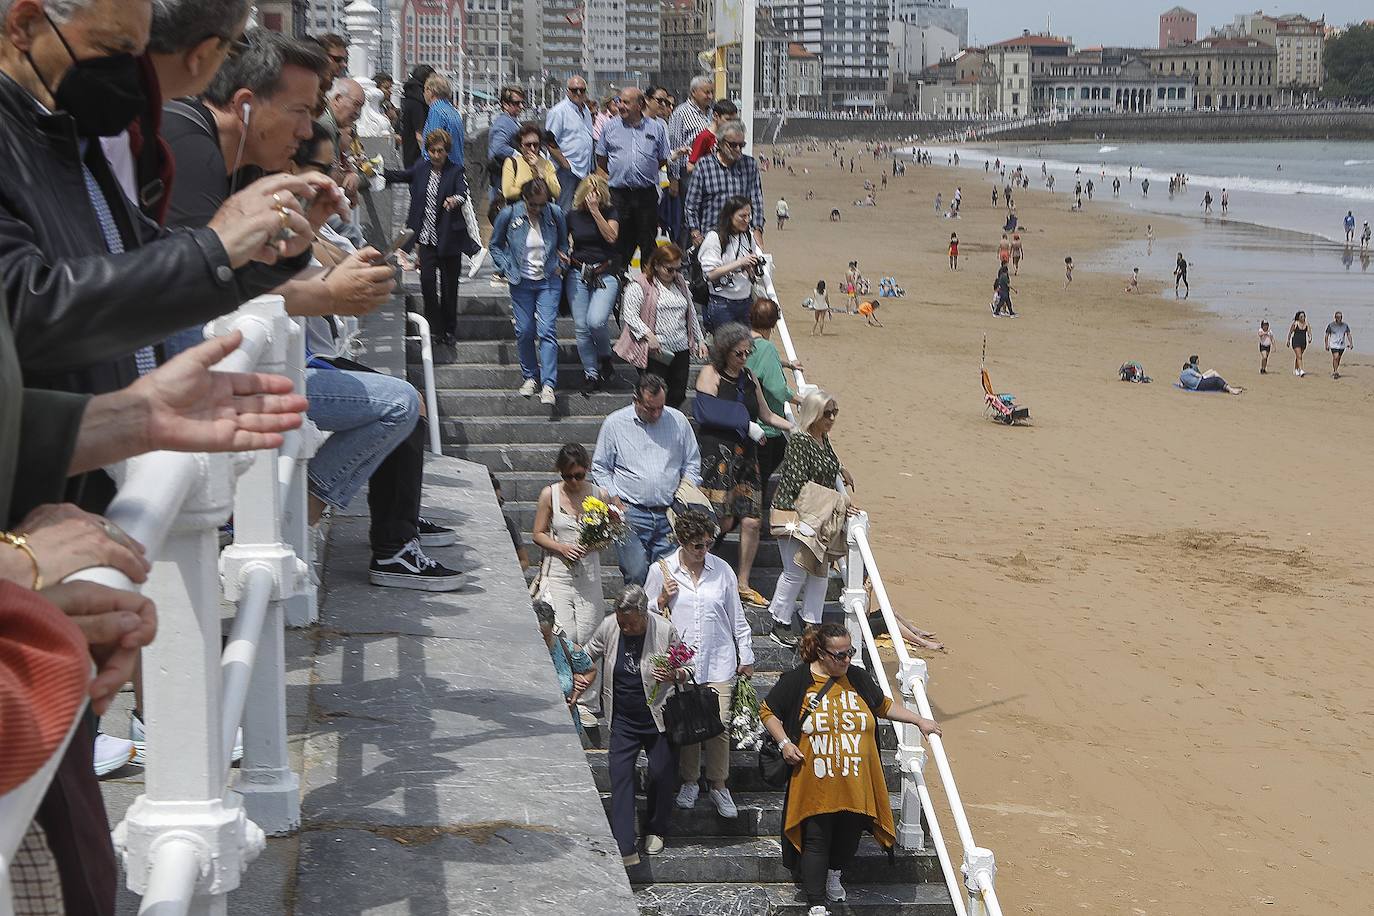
[[535, 303], [369, 415], [591, 312], [567, 187], [720, 310], [647, 541]]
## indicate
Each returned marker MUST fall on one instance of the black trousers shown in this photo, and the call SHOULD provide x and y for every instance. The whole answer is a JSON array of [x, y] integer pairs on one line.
[[771, 453], [829, 842], [393, 490], [675, 375], [440, 292], [622, 753], [638, 209]]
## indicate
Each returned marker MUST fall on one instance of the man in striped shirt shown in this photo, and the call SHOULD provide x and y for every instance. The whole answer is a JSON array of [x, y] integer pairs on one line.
[[726, 173], [687, 121]]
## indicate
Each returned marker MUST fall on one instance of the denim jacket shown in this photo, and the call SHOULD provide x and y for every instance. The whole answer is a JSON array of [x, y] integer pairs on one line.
[[508, 241]]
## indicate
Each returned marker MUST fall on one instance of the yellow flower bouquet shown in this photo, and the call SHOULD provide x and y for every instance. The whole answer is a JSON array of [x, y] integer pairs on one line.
[[600, 524]]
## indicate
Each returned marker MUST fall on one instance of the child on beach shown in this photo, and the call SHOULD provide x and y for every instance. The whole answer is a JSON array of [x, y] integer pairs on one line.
[[1266, 343], [820, 304], [1133, 285], [1068, 272], [869, 309], [1017, 251], [953, 251]]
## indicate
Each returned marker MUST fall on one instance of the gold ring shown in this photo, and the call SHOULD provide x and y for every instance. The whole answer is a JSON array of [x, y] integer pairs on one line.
[[276, 200], [285, 217]]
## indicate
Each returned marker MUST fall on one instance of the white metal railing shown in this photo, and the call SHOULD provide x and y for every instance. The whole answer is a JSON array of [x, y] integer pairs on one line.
[[427, 363], [187, 840], [979, 867]]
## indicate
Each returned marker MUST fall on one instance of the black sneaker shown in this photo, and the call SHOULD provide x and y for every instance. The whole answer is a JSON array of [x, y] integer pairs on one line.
[[609, 380], [782, 634], [410, 568], [432, 535], [590, 386]]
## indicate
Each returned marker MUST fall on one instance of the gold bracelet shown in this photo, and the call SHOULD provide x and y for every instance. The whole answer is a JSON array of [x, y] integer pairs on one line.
[[20, 542]]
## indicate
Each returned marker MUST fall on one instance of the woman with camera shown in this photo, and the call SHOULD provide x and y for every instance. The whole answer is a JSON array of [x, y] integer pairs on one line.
[[731, 261]]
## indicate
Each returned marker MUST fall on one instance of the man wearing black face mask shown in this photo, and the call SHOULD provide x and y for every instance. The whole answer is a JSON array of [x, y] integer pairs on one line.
[[89, 280]]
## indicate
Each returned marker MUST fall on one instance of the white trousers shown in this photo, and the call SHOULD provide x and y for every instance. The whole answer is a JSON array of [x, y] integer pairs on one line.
[[793, 582]]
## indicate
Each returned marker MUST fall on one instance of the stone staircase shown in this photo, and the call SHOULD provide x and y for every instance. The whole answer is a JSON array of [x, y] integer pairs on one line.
[[710, 865]]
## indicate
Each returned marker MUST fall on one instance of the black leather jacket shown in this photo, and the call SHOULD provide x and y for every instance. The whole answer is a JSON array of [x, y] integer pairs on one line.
[[78, 313]]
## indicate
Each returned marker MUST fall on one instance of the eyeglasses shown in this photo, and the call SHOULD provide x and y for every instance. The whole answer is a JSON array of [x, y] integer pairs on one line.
[[700, 546], [670, 269], [831, 414], [743, 353], [518, 103], [530, 144], [844, 656], [576, 90], [661, 99], [580, 475], [733, 144]]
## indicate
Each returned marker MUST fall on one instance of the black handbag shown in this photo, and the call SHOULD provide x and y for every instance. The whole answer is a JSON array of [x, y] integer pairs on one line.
[[773, 768], [692, 714], [697, 284]]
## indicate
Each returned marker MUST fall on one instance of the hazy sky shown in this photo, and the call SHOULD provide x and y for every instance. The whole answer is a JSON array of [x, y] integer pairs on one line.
[[1095, 22]]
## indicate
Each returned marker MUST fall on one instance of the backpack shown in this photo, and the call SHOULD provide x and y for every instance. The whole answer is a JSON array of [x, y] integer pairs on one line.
[[1133, 372]]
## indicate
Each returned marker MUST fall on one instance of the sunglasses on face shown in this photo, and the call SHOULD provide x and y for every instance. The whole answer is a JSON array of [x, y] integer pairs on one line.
[[732, 144], [831, 414], [580, 475], [844, 656], [670, 268], [661, 99], [700, 546], [578, 90], [530, 144], [741, 354]]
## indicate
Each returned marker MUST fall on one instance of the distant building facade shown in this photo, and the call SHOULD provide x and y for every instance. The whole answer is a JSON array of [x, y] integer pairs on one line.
[[682, 38], [803, 79], [939, 14], [1109, 80], [1230, 73], [851, 39], [1177, 26], [431, 33]]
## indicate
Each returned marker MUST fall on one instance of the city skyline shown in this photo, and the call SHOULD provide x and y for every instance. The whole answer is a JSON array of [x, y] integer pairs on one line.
[[1138, 26]]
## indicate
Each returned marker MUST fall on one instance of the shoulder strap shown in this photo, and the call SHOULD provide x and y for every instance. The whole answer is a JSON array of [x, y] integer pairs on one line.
[[663, 568], [811, 707], [178, 107]]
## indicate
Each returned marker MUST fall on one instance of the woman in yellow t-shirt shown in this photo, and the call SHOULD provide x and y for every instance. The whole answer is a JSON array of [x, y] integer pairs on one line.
[[837, 790]]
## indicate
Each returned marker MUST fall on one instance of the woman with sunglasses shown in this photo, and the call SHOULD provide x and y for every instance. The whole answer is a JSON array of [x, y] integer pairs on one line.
[[730, 438], [731, 260], [700, 594], [570, 576], [809, 457], [661, 330], [531, 163], [823, 714]]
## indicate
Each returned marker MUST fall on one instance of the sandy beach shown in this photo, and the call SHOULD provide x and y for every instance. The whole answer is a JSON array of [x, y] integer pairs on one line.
[[1156, 697]]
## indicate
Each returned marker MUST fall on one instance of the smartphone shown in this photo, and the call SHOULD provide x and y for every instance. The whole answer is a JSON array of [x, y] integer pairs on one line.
[[401, 241]]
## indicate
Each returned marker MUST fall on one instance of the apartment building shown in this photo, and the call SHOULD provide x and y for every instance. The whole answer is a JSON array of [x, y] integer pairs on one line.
[[1230, 73]]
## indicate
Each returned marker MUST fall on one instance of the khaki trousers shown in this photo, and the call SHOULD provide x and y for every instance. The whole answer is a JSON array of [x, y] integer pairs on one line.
[[717, 748]]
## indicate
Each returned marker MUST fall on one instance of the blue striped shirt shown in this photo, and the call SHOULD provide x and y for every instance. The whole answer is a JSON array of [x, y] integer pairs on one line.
[[643, 463]]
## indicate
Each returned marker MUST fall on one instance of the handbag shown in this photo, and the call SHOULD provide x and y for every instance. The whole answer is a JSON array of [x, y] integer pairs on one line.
[[688, 496], [773, 768], [697, 283], [692, 714]]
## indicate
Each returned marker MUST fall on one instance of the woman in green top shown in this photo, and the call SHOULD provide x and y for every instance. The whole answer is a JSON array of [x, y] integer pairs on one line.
[[810, 457]]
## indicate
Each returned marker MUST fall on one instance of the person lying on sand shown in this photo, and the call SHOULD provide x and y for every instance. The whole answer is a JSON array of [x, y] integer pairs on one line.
[[1210, 380], [915, 637]]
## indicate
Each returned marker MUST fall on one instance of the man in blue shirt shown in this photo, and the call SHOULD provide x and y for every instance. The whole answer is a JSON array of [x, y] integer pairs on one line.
[[643, 452], [442, 114], [499, 145], [569, 125], [631, 150]]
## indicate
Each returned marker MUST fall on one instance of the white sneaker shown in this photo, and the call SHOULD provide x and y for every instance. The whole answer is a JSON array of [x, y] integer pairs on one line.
[[587, 717], [818, 911], [528, 387], [476, 265], [834, 890], [725, 805], [653, 845], [546, 396], [111, 753], [687, 795], [139, 736]]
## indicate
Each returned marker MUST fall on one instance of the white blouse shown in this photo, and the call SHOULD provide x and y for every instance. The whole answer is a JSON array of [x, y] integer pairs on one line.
[[736, 284], [673, 312], [707, 615]]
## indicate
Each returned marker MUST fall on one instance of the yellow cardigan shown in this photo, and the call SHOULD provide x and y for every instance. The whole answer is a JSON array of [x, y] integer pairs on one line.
[[517, 172]]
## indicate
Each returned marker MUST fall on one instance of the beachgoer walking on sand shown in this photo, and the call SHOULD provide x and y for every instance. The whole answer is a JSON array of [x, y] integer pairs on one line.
[[1003, 289], [869, 309], [953, 251], [1090, 189], [1298, 332], [1145, 187], [1225, 201], [1017, 252], [958, 199], [1350, 225], [1338, 340], [1068, 272], [1049, 183], [1266, 343], [1133, 284], [939, 206], [783, 212], [851, 287], [1181, 276], [1004, 250], [820, 304], [1116, 187], [994, 195], [1207, 203], [1364, 237]]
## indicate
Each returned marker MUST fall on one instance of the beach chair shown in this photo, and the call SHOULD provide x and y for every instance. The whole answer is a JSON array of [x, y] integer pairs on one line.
[[1002, 407]]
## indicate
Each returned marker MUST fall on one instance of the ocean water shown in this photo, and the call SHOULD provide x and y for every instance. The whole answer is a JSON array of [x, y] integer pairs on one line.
[[1280, 248]]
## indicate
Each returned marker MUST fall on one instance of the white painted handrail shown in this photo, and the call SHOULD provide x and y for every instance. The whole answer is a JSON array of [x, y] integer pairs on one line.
[[427, 365], [979, 867]]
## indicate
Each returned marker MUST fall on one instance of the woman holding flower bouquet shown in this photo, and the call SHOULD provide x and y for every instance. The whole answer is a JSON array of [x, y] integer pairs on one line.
[[823, 715], [700, 594], [634, 652], [570, 577]]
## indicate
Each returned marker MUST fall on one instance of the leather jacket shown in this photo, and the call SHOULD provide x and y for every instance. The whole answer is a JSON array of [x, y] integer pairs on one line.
[[79, 313]]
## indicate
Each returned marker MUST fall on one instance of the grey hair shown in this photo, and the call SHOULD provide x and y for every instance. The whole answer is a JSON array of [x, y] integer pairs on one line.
[[699, 82], [725, 339], [259, 67], [180, 25], [343, 85], [811, 408], [543, 612], [732, 127], [632, 598]]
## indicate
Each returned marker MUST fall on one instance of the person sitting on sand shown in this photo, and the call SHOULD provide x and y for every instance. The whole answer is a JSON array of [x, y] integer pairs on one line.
[[1210, 380], [835, 214], [1133, 284], [915, 637], [869, 309]]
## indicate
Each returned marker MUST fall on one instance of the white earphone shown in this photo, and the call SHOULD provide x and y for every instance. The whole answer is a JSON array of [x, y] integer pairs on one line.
[[247, 113]]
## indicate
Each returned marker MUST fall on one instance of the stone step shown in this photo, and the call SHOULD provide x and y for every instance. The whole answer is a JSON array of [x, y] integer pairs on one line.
[[504, 459], [500, 327], [744, 772], [475, 304], [518, 430], [503, 401], [926, 899], [758, 860], [453, 374], [494, 353], [760, 815]]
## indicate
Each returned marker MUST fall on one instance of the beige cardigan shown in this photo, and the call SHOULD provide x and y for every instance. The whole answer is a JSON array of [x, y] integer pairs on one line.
[[604, 649]]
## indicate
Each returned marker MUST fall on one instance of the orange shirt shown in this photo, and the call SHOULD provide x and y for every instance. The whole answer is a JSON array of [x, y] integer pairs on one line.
[[865, 308]]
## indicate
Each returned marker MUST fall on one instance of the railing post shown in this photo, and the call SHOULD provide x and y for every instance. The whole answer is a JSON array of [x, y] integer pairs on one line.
[[911, 758], [184, 803], [270, 788], [980, 867], [302, 608], [855, 597]]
